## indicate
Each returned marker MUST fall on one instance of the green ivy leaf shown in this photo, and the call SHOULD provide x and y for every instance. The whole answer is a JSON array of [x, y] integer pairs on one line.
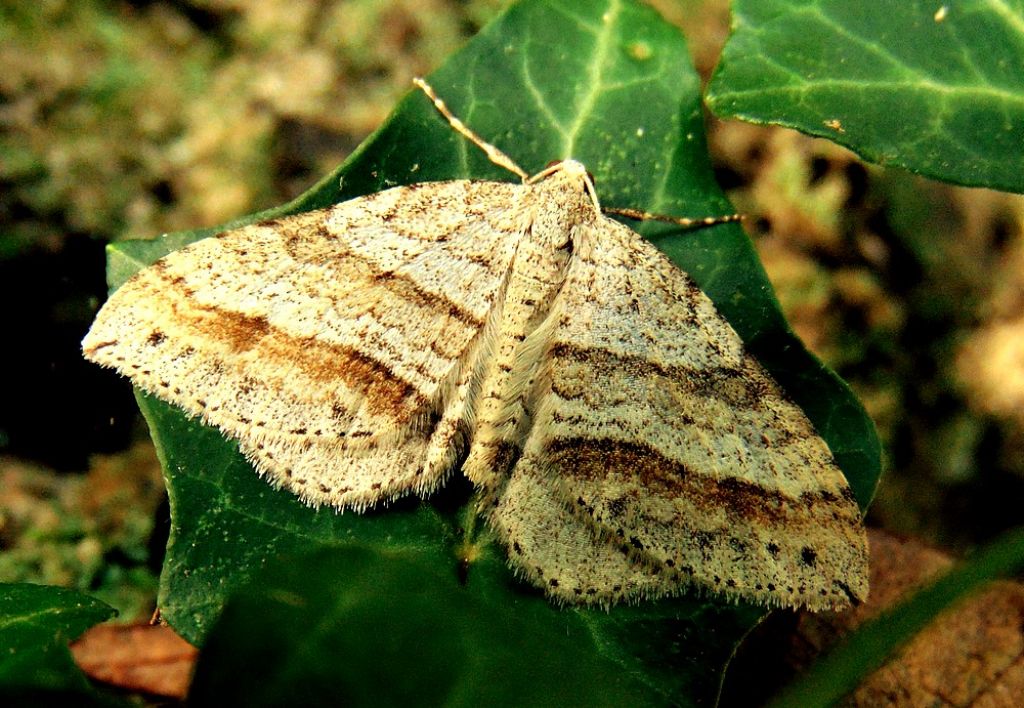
[[319, 630], [226, 522], [609, 83], [36, 624], [935, 87]]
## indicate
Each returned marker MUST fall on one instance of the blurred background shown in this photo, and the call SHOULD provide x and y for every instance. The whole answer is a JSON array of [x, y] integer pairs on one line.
[[127, 119]]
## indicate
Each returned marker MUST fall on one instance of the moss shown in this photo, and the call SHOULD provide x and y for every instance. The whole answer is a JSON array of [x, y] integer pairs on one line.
[[90, 532]]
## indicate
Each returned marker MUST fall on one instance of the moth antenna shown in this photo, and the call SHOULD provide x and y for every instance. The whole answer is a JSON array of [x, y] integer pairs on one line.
[[493, 154], [677, 220]]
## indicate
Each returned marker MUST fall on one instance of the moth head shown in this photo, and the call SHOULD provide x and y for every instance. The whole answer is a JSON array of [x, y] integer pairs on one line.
[[572, 172]]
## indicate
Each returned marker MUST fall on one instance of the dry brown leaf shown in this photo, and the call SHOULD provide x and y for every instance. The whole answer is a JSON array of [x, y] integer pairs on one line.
[[140, 658], [972, 655]]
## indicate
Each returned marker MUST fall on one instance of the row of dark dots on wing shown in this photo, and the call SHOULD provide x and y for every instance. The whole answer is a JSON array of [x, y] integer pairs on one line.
[[808, 557], [156, 337]]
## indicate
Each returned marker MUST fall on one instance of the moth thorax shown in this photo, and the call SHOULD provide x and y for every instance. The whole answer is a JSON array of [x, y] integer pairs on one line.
[[563, 205]]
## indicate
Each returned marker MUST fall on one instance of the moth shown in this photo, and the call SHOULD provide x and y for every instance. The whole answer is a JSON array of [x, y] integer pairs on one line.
[[622, 442]]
